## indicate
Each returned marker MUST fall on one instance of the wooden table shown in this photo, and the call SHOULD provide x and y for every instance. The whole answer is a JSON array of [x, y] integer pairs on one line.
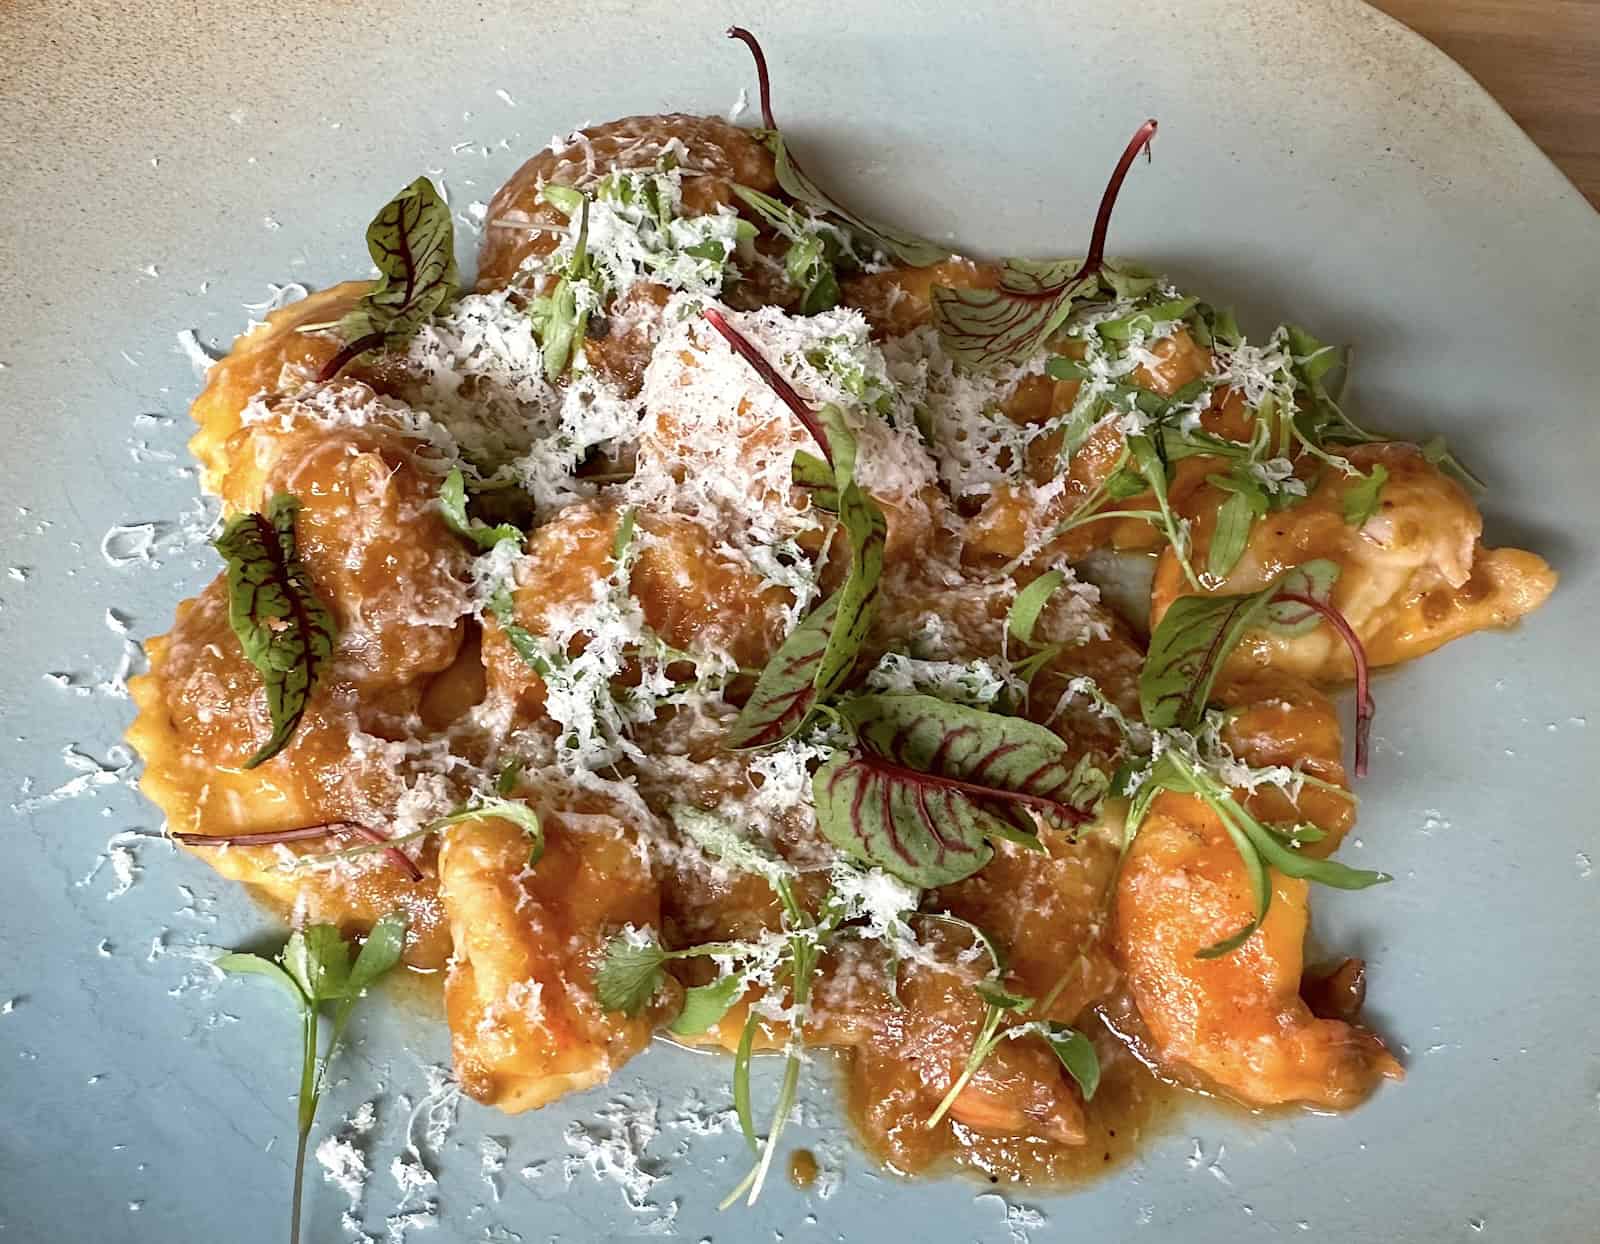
[[1539, 58]]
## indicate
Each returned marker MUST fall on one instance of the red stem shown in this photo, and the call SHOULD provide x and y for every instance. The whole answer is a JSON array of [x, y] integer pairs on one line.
[[920, 778], [396, 856], [1102, 221], [1365, 708], [272, 837], [749, 40], [266, 838], [780, 386], [346, 356]]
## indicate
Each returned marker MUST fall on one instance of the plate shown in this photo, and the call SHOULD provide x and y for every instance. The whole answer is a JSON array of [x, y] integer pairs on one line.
[[1314, 161]]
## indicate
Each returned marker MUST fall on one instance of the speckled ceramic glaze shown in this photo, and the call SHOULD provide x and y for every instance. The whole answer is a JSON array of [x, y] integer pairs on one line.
[[164, 162]]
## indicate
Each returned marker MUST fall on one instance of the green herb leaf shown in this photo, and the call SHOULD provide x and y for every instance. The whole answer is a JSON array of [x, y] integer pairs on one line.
[[319, 960], [1024, 613], [519, 814], [379, 953], [241, 962], [558, 322], [629, 974], [412, 242], [1361, 499], [1196, 634], [286, 632], [787, 690], [933, 780], [705, 1005], [720, 838], [453, 506], [1074, 1050], [1246, 502], [316, 968]]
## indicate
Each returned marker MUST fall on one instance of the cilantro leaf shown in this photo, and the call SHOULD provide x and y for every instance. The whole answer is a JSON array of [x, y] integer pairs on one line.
[[629, 974]]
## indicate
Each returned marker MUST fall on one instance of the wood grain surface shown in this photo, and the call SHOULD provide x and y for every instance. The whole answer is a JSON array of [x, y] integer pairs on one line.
[[1539, 58]]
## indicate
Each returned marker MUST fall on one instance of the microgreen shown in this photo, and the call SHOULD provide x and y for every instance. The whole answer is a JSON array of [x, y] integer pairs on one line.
[[932, 781], [453, 507], [906, 247], [560, 318], [314, 968], [1361, 499], [286, 632], [815, 250], [1246, 502], [818, 658], [987, 328], [412, 242]]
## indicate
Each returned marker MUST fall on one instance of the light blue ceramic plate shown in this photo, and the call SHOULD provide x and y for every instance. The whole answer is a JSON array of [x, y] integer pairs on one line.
[[164, 163]]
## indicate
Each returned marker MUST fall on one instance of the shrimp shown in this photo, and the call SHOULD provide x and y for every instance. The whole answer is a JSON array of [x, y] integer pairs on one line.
[[525, 1026], [1239, 1018], [1413, 576]]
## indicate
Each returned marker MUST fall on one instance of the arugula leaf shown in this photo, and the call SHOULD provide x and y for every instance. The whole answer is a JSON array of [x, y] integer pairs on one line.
[[1149, 463], [814, 250], [286, 632], [1258, 846], [705, 1005], [1246, 502], [453, 506], [629, 974], [1007, 325], [1075, 1051], [1024, 613], [720, 838], [933, 779], [1361, 499], [558, 321], [519, 814], [412, 242], [314, 966], [906, 247]]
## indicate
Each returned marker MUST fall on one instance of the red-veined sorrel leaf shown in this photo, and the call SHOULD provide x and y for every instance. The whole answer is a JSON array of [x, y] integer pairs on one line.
[[285, 631], [933, 780], [1197, 633], [1187, 651], [908, 248], [858, 599], [787, 688], [986, 328], [412, 241], [817, 659]]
